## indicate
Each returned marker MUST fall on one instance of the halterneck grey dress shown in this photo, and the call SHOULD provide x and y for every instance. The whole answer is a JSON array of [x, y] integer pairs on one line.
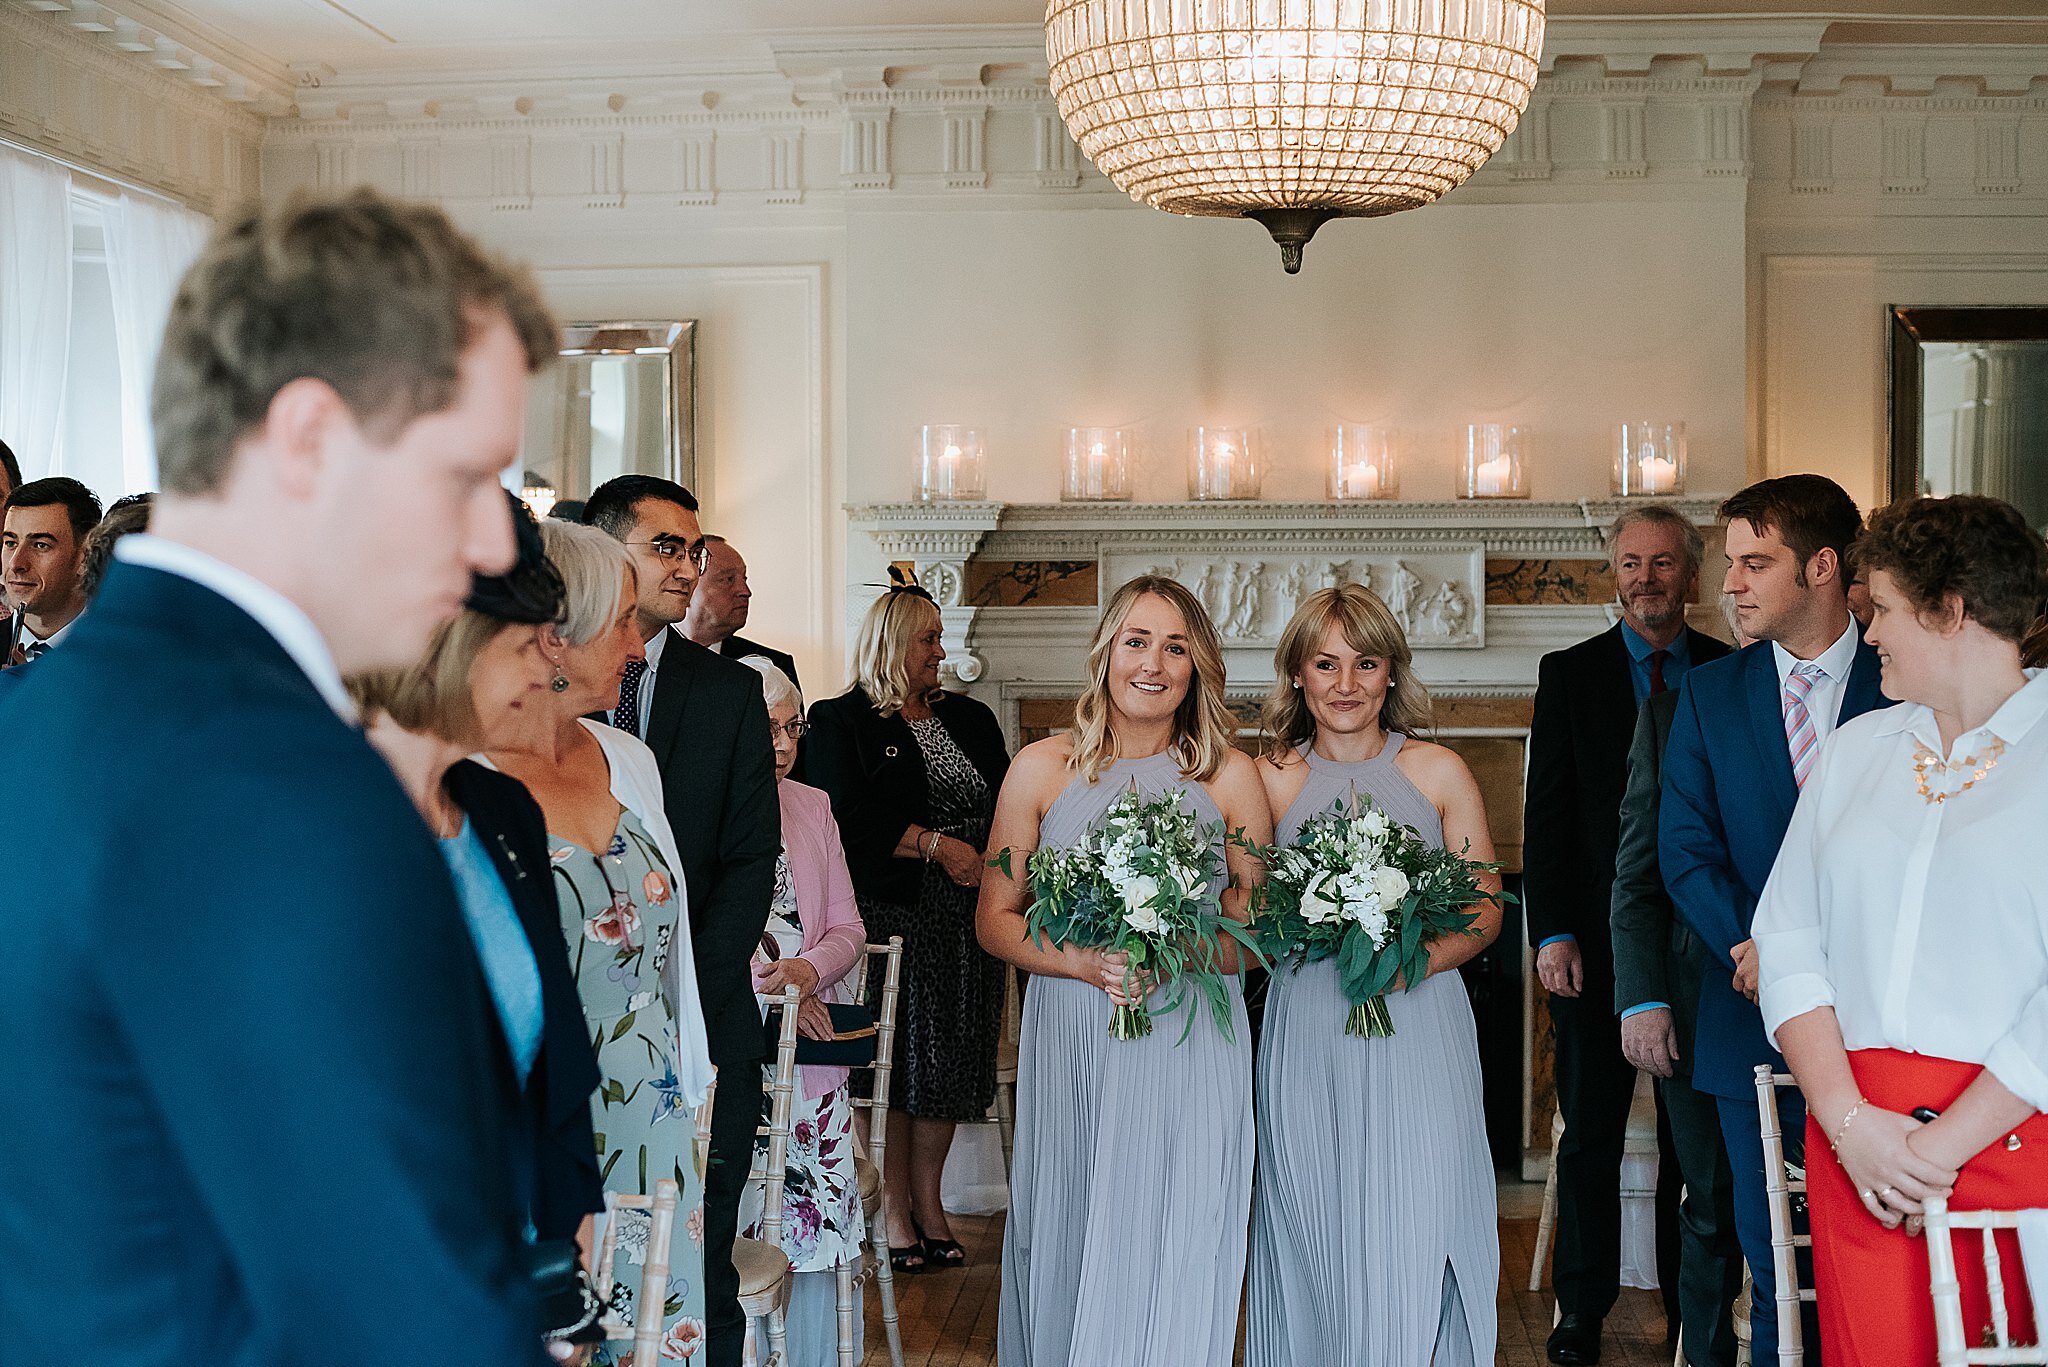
[[1373, 1234], [1131, 1183]]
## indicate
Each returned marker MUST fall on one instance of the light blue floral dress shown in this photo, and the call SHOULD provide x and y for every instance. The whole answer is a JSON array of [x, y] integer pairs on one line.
[[618, 910]]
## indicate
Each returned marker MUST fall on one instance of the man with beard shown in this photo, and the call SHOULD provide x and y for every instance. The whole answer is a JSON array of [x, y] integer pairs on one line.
[[1586, 702]]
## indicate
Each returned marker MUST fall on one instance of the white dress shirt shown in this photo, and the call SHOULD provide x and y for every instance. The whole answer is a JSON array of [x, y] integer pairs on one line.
[[275, 613], [1824, 699], [29, 640], [654, 649], [1924, 924]]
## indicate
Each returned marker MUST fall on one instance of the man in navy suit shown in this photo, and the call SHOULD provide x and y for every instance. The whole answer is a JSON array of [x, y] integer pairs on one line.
[[258, 1108], [1745, 737]]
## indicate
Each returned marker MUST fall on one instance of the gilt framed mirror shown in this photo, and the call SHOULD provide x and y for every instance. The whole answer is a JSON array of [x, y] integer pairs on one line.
[[1968, 404], [621, 400]]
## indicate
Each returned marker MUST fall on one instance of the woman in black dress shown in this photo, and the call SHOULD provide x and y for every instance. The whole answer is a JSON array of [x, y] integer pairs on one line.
[[913, 773]]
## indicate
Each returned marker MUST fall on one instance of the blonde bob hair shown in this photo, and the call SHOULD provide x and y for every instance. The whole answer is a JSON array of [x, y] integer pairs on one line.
[[595, 570], [1370, 629], [881, 650], [1203, 728], [434, 696]]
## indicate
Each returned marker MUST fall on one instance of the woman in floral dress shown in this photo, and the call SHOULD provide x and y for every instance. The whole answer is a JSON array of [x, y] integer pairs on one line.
[[614, 868], [816, 943]]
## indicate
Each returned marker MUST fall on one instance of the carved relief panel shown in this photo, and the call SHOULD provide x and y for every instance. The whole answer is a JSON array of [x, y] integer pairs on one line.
[[1438, 595]]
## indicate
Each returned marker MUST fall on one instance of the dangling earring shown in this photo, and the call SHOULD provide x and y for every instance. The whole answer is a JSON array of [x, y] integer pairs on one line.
[[560, 683]]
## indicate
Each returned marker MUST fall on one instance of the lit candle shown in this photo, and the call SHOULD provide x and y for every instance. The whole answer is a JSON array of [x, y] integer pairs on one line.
[[1658, 474], [949, 471], [1362, 480], [1098, 470], [1492, 477]]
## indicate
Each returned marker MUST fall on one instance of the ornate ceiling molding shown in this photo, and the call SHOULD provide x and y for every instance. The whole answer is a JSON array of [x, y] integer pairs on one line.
[[134, 33]]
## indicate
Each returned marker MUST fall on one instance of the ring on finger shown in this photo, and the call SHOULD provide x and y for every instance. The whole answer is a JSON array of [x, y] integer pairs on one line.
[[1884, 1192]]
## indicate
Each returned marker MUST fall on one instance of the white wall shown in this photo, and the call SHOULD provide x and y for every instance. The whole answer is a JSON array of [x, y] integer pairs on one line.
[[1548, 314]]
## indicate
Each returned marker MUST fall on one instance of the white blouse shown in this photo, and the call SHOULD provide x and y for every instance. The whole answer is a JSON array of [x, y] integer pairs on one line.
[[1924, 924]]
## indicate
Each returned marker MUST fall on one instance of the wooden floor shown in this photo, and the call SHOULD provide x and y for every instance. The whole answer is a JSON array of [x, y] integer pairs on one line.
[[949, 1317]]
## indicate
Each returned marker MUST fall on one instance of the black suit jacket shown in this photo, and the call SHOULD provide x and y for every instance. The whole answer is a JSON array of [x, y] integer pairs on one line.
[[872, 769], [1585, 717], [739, 647], [708, 728], [1657, 958], [566, 1184], [258, 1108]]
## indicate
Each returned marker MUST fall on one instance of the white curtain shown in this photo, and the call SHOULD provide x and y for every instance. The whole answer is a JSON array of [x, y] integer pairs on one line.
[[150, 242], [35, 308]]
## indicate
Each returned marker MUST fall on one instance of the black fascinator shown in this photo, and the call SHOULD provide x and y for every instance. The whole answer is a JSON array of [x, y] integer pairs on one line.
[[531, 592]]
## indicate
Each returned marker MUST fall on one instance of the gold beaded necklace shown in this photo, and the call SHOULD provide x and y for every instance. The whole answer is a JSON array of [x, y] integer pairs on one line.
[[1926, 762]]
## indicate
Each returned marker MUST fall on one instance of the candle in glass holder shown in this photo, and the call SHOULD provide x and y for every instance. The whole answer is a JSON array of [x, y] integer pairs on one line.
[[1365, 462], [1649, 458], [950, 463], [1222, 464], [1495, 461], [1097, 466]]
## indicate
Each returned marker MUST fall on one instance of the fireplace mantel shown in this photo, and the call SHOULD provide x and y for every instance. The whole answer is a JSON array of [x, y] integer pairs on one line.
[[1439, 565]]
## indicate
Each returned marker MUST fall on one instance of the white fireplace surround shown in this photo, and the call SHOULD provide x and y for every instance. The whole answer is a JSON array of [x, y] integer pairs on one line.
[[1251, 562]]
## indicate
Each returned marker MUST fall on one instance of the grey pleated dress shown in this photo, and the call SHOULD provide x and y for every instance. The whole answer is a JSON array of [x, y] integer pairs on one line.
[[1373, 1224], [1131, 1184]]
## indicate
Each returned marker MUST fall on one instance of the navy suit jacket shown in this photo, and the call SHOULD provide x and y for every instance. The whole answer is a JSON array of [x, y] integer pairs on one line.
[[1727, 797], [257, 1108]]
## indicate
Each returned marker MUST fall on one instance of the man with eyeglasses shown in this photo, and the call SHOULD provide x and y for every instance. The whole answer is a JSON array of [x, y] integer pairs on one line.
[[705, 719]]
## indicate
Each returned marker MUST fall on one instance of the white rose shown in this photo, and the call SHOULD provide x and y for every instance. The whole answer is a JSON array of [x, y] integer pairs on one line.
[[1318, 904], [1139, 914], [1391, 884], [1375, 823]]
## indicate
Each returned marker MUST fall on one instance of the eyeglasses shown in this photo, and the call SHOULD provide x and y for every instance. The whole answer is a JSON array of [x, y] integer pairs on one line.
[[670, 548], [795, 729]]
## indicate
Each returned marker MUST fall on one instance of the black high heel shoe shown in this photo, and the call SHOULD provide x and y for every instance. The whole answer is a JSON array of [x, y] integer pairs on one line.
[[940, 1252]]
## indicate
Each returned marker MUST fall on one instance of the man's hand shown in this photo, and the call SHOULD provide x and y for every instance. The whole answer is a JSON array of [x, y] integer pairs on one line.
[[1650, 1040], [1560, 968], [1744, 955]]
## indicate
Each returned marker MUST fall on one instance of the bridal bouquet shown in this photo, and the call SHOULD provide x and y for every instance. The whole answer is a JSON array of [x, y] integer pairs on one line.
[[1139, 883], [1357, 885]]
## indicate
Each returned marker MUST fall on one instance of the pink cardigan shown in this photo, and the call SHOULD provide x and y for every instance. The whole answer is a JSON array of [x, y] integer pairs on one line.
[[835, 941]]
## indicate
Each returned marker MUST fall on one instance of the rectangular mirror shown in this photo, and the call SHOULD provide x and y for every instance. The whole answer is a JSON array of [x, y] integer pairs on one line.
[[622, 400], [1969, 404]]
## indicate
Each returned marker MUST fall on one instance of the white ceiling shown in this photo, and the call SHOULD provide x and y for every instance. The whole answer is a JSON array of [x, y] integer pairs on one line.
[[358, 38]]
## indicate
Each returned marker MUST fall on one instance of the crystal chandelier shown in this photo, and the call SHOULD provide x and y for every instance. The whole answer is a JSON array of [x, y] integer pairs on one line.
[[1291, 112]]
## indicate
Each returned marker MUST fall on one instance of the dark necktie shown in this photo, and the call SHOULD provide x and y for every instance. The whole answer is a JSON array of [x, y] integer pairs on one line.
[[626, 716], [36, 650], [1657, 684]]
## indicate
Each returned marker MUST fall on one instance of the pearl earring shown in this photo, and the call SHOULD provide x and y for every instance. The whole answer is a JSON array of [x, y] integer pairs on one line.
[[560, 683]]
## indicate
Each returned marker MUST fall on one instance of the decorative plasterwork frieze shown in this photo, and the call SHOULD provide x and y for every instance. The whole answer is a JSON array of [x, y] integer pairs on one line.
[[1251, 563], [72, 94], [210, 67]]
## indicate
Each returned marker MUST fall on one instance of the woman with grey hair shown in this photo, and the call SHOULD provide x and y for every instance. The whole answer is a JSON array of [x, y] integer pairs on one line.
[[816, 943], [615, 870]]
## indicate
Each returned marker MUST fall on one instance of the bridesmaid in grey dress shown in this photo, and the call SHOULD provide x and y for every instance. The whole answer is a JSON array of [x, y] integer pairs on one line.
[[1373, 1228], [1131, 1185]]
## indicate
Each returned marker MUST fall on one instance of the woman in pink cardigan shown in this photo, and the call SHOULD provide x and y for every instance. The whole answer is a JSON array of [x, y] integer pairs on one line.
[[815, 942]]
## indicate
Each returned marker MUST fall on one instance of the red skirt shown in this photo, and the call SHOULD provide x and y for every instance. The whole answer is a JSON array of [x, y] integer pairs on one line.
[[1875, 1298]]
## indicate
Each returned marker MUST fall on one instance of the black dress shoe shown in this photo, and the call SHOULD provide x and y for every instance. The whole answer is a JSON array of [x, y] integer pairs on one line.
[[1575, 1342]]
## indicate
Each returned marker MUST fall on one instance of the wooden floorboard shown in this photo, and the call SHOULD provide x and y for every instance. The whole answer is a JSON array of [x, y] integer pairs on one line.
[[949, 1315]]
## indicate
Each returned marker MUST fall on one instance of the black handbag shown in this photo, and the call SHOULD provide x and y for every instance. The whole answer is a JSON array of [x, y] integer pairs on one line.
[[569, 1309], [853, 1038]]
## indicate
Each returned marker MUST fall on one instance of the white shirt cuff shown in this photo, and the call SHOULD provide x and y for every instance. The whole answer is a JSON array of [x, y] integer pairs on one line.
[[1792, 996]]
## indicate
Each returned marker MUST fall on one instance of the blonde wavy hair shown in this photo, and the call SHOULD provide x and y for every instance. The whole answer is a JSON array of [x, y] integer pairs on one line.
[[893, 621], [1370, 629], [1203, 728]]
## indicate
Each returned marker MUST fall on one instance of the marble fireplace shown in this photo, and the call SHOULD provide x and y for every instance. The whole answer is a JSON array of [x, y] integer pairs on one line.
[[1483, 588]]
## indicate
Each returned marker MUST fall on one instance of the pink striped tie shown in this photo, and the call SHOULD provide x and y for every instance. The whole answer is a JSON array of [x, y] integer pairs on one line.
[[1800, 737]]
